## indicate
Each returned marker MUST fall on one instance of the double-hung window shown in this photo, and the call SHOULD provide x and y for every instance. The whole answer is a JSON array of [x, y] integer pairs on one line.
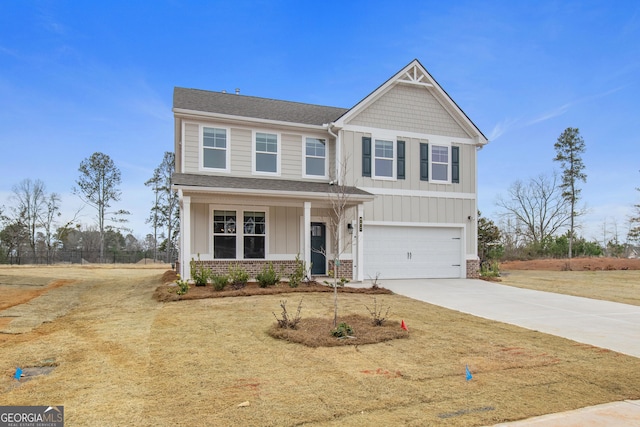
[[224, 234], [383, 159], [215, 148], [439, 163], [315, 157], [266, 153], [247, 239], [254, 234]]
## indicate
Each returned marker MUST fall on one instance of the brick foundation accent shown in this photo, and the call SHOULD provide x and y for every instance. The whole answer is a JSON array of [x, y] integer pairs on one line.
[[473, 268], [345, 269], [254, 267]]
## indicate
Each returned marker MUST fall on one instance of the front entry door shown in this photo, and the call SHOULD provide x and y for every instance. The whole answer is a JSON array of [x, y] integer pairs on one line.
[[318, 245]]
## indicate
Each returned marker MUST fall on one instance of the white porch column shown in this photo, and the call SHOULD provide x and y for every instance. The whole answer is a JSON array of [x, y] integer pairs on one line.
[[360, 245], [185, 238], [306, 238]]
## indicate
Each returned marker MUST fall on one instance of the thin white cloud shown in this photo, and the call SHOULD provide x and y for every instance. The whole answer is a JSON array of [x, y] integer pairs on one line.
[[507, 125], [502, 127]]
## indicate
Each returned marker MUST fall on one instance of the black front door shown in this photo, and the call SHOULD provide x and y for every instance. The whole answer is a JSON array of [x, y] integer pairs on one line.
[[318, 245]]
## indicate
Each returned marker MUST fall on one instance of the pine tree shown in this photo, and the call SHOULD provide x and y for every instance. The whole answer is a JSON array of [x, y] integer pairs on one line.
[[569, 149]]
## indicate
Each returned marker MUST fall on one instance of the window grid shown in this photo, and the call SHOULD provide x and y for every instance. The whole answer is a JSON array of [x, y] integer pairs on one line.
[[383, 158], [214, 142], [266, 152], [315, 157], [439, 163]]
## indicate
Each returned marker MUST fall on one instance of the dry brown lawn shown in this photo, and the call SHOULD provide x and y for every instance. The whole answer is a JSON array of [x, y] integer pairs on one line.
[[606, 284], [122, 358]]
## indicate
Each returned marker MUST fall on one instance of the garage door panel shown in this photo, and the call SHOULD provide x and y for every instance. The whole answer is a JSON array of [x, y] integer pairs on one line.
[[412, 252]]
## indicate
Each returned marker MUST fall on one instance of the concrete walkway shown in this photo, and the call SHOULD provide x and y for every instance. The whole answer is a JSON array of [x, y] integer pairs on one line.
[[603, 324]]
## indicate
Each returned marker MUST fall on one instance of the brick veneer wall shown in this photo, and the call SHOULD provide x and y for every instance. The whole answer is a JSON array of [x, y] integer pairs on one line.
[[345, 269], [254, 267], [473, 268]]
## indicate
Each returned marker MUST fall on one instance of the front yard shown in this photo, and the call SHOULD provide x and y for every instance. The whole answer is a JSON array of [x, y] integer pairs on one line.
[[122, 358]]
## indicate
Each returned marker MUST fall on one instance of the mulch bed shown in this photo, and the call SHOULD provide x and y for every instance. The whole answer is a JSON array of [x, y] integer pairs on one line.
[[167, 293], [314, 332]]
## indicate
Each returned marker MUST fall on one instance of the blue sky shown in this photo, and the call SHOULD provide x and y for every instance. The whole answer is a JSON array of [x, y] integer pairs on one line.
[[80, 77]]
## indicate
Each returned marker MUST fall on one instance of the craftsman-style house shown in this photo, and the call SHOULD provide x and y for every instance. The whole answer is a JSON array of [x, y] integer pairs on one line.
[[256, 178]]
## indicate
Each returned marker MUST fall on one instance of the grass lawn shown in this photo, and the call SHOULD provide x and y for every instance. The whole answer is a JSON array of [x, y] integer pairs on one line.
[[615, 285], [122, 358]]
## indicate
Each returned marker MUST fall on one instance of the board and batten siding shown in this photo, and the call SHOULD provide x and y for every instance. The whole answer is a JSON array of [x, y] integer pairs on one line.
[[200, 229], [352, 147], [431, 210]]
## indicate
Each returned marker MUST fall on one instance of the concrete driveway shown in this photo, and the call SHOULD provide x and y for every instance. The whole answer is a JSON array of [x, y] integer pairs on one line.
[[603, 324]]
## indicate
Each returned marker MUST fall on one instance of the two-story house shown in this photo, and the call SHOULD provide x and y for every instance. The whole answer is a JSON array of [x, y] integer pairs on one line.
[[257, 182]]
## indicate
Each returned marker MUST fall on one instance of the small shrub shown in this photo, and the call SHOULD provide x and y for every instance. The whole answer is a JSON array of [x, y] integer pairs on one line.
[[376, 314], [343, 331], [490, 269], [268, 276], [219, 281], [288, 322], [340, 282], [374, 281], [199, 273], [298, 274], [238, 277], [183, 286]]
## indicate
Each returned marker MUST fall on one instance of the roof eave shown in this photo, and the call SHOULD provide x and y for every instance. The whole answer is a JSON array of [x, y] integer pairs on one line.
[[195, 114], [310, 195]]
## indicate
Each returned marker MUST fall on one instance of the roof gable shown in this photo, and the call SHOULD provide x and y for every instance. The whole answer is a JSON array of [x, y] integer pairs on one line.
[[424, 106], [254, 107]]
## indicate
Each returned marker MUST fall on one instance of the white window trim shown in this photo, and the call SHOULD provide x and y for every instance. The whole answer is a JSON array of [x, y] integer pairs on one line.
[[227, 162], [304, 158], [239, 210], [394, 167], [278, 154], [431, 162]]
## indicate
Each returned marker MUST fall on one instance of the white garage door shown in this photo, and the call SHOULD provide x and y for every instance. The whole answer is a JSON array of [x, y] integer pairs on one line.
[[412, 252]]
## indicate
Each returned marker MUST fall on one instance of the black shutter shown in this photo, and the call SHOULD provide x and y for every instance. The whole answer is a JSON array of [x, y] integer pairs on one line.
[[424, 162], [401, 163], [455, 165], [366, 156]]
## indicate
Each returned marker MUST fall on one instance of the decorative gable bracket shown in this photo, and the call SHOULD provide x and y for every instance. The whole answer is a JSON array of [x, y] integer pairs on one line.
[[414, 76]]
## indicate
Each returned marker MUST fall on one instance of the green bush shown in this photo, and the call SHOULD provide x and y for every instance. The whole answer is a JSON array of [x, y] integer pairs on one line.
[[268, 276], [220, 281], [183, 286], [199, 273], [298, 273], [343, 331], [490, 269], [238, 277]]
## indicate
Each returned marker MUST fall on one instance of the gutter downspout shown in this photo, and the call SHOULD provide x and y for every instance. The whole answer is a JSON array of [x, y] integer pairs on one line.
[[338, 176]]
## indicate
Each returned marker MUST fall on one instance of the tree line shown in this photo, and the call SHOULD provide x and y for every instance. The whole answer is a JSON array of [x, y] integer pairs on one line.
[[31, 230], [539, 217]]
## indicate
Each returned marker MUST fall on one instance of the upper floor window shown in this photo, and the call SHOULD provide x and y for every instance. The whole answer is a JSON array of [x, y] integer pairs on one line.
[[315, 157], [383, 159], [215, 148], [266, 153], [439, 163]]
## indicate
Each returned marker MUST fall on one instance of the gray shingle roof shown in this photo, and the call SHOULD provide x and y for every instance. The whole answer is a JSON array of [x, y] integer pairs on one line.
[[260, 184], [250, 106]]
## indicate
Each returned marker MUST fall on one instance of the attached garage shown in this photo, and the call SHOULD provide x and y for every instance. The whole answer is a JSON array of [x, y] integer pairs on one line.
[[411, 252]]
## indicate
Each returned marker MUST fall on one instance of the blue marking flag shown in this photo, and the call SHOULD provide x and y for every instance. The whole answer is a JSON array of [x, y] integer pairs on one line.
[[468, 373], [18, 374]]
